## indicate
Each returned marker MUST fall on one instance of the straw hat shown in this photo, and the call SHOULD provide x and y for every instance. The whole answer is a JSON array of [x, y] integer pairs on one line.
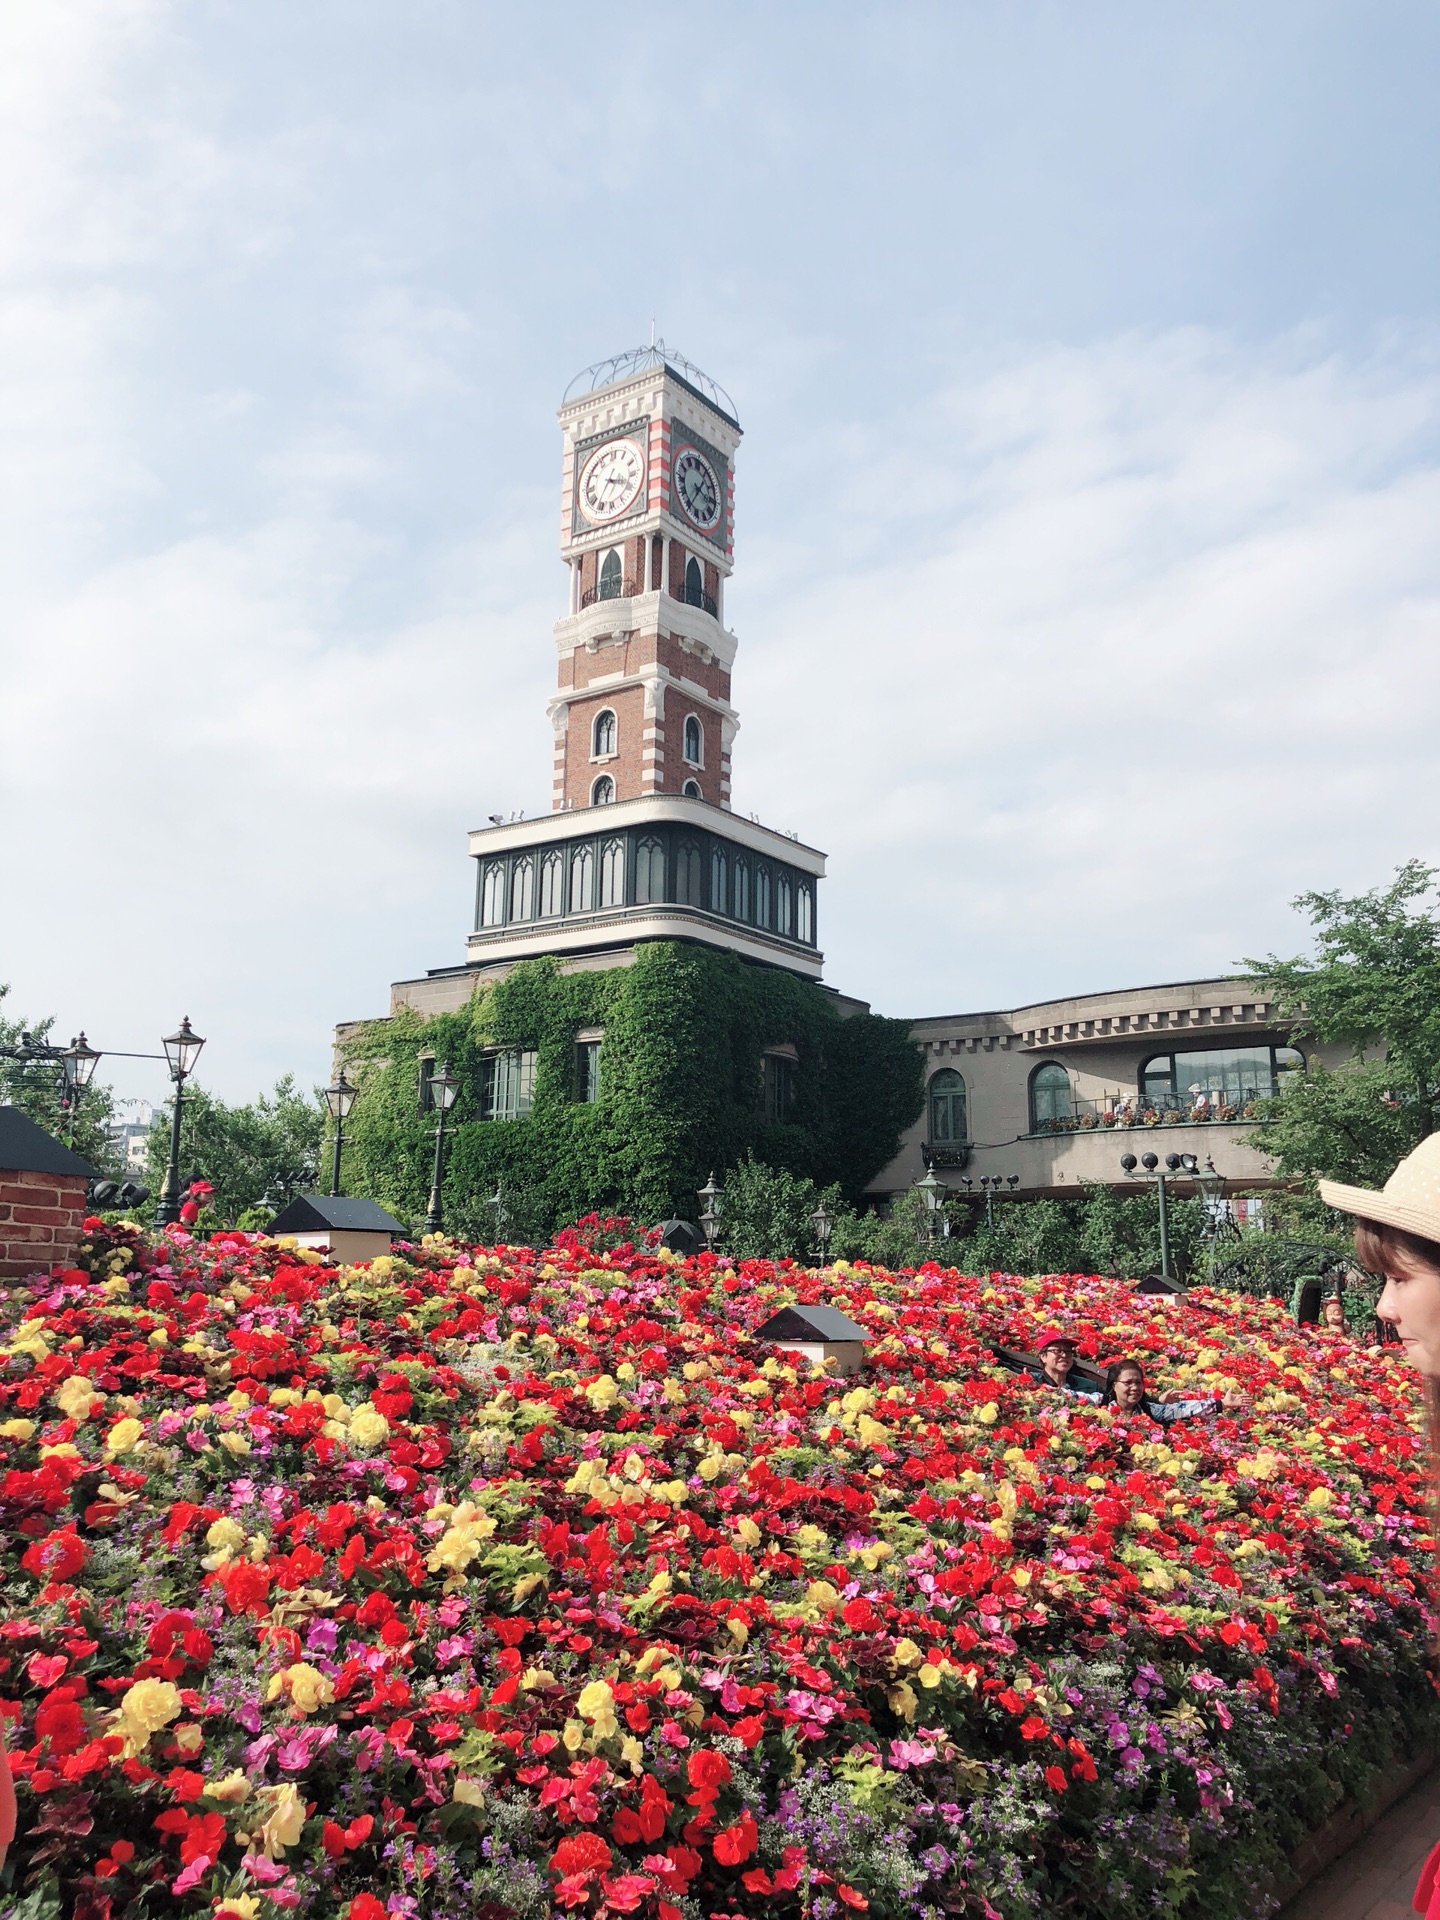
[[1410, 1198]]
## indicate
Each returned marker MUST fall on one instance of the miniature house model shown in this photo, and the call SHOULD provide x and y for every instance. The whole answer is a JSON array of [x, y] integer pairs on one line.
[[820, 1334], [350, 1230]]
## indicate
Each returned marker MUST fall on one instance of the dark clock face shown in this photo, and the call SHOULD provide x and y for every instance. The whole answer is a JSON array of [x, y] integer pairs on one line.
[[697, 489]]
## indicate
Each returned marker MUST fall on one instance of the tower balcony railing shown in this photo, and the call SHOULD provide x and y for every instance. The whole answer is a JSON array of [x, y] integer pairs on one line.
[[619, 591], [697, 597]]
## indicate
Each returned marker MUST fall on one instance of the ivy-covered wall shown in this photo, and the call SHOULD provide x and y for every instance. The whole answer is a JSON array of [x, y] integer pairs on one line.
[[685, 1029]]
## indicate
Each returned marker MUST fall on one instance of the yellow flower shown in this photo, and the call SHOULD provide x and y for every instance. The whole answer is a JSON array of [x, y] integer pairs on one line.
[[189, 1736], [225, 1535], [603, 1392], [1320, 1498], [238, 1906], [18, 1430], [307, 1687], [124, 1435], [146, 1707], [77, 1398], [368, 1427], [597, 1705], [283, 1823], [470, 1793], [235, 1443], [230, 1791]]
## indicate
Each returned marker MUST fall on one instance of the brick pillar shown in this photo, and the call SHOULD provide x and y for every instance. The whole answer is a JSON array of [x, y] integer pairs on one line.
[[40, 1216]]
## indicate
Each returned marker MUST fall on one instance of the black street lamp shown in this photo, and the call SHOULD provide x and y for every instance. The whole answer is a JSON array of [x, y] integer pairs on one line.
[[339, 1099], [79, 1060], [1149, 1167], [932, 1192], [822, 1223], [182, 1050], [990, 1185], [443, 1089], [710, 1212]]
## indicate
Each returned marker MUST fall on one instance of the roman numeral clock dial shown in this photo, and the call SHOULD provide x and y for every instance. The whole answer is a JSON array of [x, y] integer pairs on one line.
[[610, 480], [697, 489]]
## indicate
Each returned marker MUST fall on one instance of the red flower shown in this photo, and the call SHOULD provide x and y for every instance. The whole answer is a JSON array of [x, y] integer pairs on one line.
[[734, 1844], [581, 1853], [850, 1896]]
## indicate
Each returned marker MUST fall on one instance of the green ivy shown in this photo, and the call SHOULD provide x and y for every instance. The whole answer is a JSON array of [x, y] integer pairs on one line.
[[686, 1029]]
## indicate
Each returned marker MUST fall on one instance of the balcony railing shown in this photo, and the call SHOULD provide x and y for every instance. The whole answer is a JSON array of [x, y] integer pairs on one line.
[[618, 592], [694, 597], [1128, 1113]]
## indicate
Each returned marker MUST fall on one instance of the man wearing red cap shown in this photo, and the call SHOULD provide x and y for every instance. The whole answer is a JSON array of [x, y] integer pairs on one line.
[[1057, 1357]]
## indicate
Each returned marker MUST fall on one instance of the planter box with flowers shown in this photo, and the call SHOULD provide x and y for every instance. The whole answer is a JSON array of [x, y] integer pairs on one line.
[[485, 1582]]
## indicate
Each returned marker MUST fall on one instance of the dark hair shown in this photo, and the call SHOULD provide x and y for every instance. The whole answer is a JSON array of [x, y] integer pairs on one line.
[[1113, 1373]]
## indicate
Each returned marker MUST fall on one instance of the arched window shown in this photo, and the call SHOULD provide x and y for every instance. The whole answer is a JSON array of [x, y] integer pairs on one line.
[[610, 575], [582, 880], [612, 874], [784, 910], [603, 739], [689, 875], [694, 741], [492, 894], [762, 896], [804, 915], [522, 889], [694, 584], [947, 1108], [552, 884], [740, 905], [691, 790], [717, 881], [1051, 1102], [603, 791], [649, 871]]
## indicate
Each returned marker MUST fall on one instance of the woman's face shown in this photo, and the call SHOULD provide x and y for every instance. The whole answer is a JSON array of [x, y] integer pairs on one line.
[[1129, 1389], [1057, 1362], [1411, 1303]]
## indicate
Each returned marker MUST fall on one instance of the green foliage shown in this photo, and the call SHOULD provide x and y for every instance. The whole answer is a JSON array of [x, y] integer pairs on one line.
[[1374, 986], [686, 1029], [1101, 1232], [267, 1149], [37, 1087], [768, 1214]]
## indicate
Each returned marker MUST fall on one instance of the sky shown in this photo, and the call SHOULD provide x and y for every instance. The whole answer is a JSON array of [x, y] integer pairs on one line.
[[1087, 583]]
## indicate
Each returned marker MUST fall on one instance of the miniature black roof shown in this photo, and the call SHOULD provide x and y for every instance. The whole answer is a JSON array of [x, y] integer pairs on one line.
[[26, 1148], [314, 1212], [810, 1323]]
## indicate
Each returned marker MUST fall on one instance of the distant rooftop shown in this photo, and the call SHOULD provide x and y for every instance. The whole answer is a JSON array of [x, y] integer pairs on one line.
[[622, 366]]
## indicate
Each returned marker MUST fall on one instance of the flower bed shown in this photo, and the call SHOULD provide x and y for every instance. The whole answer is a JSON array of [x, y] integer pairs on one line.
[[488, 1584]]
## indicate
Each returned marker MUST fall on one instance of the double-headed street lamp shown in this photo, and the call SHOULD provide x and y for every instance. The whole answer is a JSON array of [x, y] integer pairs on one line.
[[182, 1049], [339, 1099], [1149, 1167], [443, 1089], [709, 1212]]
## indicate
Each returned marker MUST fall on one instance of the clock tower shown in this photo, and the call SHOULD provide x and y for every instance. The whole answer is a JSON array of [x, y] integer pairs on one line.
[[647, 532]]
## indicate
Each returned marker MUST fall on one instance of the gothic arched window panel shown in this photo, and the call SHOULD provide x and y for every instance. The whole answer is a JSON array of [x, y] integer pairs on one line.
[[552, 884], [784, 905], [718, 889], [612, 874], [603, 735], [804, 914], [947, 1108], [694, 741], [582, 880], [602, 794], [762, 896], [691, 790], [649, 871], [1052, 1104], [740, 902], [522, 889], [694, 584], [689, 875], [611, 575], [492, 894]]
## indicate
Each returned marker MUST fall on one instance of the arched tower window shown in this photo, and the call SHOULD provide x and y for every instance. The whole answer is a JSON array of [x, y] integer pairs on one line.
[[784, 909], [604, 734], [611, 575], [717, 881], [762, 896], [1052, 1104], [689, 876], [603, 791], [522, 889], [947, 1108], [649, 871], [612, 874], [741, 900], [694, 584], [691, 790], [694, 742], [804, 914], [492, 894], [552, 884], [582, 880]]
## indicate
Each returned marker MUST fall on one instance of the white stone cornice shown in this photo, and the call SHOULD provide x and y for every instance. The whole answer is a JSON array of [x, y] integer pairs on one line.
[[646, 613], [624, 925], [578, 823]]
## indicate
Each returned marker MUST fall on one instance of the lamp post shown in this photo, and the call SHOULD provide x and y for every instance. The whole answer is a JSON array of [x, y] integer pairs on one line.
[[79, 1061], [822, 1223], [990, 1185], [710, 1211], [932, 1192], [182, 1050], [502, 1213], [1149, 1167], [339, 1099], [443, 1089]]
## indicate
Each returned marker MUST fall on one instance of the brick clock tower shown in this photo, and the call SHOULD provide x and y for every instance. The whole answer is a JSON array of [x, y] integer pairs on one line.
[[640, 843], [647, 531]]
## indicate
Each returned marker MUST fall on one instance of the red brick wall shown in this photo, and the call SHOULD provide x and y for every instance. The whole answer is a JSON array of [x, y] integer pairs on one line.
[[581, 772], [40, 1215]]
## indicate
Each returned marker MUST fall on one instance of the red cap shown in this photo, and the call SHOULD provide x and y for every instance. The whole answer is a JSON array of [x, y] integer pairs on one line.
[[1056, 1337]]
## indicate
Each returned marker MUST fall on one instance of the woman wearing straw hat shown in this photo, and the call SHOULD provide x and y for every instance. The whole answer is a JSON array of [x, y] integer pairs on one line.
[[1397, 1233]]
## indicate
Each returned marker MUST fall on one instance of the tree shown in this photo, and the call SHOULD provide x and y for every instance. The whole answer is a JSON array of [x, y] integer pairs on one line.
[[254, 1156], [36, 1087], [1373, 985]]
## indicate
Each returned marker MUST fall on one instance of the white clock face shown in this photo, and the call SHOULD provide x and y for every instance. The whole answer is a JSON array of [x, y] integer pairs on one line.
[[697, 489], [610, 480]]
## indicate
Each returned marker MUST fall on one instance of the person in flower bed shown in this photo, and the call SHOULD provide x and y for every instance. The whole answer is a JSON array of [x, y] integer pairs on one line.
[[1397, 1234], [1125, 1389], [1056, 1353]]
